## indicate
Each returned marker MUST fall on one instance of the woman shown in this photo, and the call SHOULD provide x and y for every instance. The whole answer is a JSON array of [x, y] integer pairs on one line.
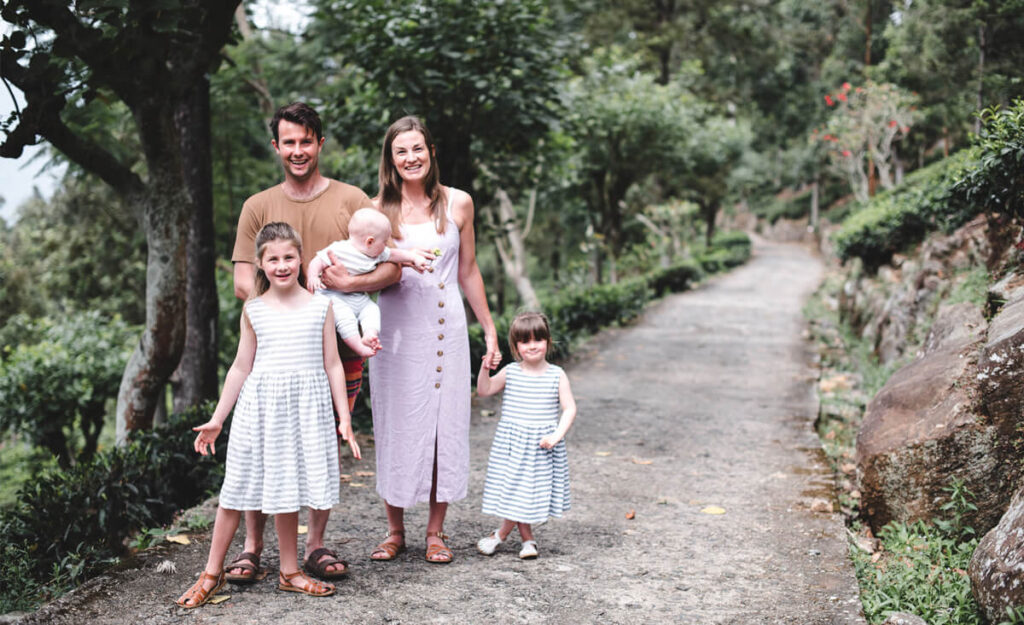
[[420, 381]]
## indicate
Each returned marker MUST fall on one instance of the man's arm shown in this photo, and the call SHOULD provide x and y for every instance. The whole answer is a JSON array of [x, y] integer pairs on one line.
[[245, 279], [337, 278]]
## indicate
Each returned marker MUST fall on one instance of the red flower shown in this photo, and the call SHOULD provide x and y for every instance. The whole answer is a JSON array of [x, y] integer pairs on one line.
[[828, 100], [842, 96], [892, 123], [827, 137], [846, 86], [858, 90], [846, 153], [905, 129]]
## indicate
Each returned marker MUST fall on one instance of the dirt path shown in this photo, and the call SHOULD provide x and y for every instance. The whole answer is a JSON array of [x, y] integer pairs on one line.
[[706, 401]]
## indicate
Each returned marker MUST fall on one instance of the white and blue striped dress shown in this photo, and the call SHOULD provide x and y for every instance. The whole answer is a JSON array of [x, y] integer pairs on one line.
[[283, 449], [525, 483]]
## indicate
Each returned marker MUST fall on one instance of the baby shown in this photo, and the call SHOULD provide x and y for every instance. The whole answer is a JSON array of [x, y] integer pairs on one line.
[[366, 247]]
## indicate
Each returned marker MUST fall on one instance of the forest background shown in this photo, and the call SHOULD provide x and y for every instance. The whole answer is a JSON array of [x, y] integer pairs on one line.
[[602, 142]]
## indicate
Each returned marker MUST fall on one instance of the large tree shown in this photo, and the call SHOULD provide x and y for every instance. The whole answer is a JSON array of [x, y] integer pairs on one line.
[[154, 57], [483, 75]]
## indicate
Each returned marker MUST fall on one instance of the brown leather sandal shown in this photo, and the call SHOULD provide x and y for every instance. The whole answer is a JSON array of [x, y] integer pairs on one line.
[[389, 550], [249, 563], [318, 561], [197, 595], [308, 586], [439, 554]]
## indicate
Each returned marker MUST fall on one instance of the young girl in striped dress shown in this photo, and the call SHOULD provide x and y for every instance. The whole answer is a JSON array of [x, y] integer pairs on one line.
[[527, 474], [282, 451]]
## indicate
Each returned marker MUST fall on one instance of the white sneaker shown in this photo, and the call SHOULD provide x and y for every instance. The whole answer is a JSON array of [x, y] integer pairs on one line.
[[489, 543], [529, 550]]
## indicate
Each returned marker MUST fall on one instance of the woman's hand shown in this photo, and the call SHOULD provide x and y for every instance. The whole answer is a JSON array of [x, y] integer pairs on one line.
[[493, 356]]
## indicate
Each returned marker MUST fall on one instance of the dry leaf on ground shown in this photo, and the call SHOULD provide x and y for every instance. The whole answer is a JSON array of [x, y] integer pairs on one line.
[[357, 485], [365, 474], [219, 599], [631, 514], [181, 539], [303, 529], [641, 461], [713, 510], [602, 453]]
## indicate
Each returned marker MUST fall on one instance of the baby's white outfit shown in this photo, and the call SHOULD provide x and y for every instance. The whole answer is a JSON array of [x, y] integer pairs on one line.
[[352, 307]]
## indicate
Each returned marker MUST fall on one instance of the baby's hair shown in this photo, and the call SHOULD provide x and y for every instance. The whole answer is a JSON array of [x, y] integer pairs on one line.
[[370, 221], [275, 231], [528, 326]]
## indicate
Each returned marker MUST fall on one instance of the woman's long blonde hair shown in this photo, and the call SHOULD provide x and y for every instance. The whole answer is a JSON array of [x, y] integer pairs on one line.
[[275, 231], [391, 183]]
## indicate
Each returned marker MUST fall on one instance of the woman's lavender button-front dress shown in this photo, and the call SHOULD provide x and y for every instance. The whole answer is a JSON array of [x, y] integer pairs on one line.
[[420, 380]]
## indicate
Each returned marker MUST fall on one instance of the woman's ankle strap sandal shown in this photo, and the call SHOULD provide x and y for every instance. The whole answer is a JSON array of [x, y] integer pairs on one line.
[[439, 554], [389, 550]]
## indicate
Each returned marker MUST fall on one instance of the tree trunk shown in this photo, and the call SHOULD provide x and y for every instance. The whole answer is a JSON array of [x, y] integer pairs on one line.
[[165, 220], [981, 78], [814, 205], [512, 250], [197, 372], [710, 211]]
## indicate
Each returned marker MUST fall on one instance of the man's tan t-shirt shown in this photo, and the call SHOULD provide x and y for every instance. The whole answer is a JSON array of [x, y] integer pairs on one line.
[[319, 221]]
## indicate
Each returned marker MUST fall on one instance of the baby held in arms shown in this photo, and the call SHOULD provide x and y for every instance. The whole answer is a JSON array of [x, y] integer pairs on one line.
[[366, 247]]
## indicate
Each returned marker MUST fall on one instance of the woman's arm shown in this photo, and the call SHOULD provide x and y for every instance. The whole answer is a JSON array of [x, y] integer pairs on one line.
[[470, 280]]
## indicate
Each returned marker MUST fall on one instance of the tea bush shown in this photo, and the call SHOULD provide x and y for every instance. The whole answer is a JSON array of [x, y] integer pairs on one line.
[[70, 523]]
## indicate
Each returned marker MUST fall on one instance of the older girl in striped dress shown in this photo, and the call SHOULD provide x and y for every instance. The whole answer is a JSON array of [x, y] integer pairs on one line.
[[527, 474], [282, 452]]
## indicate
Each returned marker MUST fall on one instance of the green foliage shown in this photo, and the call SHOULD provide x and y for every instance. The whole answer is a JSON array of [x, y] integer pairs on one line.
[[894, 220], [72, 523], [676, 278], [923, 569], [996, 183], [61, 383]]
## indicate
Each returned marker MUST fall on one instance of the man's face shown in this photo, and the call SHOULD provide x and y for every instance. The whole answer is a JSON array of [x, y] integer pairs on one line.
[[299, 150]]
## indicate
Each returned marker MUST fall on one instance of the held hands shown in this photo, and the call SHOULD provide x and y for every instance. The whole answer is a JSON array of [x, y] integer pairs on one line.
[[208, 433], [493, 356]]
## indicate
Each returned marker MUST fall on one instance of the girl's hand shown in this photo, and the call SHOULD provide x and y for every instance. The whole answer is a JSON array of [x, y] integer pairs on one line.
[[346, 433], [208, 433], [549, 441], [493, 356]]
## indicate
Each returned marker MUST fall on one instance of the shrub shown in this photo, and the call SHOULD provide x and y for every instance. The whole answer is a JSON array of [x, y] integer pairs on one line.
[[70, 523], [62, 380], [675, 279], [995, 182], [894, 220]]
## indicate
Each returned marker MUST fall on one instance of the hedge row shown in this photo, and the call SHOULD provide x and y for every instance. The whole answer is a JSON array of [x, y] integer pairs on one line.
[[577, 313], [71, 523], [894, 220]]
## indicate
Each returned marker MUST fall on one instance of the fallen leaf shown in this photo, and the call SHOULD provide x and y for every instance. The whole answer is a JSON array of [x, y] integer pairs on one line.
[[848, 468], [641, 461], [830, 435], [303, 529], [219, 599], [365, 474], [181, 539], [345, 477], [713, 510], [602, 453], [357, 485], [854, 494], [486, 413], [631, 515], [875, 557], [820, 505], [695, 502]]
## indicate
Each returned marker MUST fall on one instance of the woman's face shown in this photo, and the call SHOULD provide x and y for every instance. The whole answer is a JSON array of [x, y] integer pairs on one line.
[[410, 156]]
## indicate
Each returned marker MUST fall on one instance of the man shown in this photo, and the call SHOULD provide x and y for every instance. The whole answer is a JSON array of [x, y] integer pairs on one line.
[[319, 209]]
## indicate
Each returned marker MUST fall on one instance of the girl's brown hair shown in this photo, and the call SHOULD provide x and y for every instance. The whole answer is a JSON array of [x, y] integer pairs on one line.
[[391, 183], [275, 231], [525, 327]]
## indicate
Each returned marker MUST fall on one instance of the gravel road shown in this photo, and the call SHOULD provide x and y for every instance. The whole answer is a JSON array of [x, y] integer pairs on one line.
[[706, 404]]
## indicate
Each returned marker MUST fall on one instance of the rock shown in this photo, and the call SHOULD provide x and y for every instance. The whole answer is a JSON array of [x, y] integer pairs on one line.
[[997, 566], [922, 431], [902, 618]]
